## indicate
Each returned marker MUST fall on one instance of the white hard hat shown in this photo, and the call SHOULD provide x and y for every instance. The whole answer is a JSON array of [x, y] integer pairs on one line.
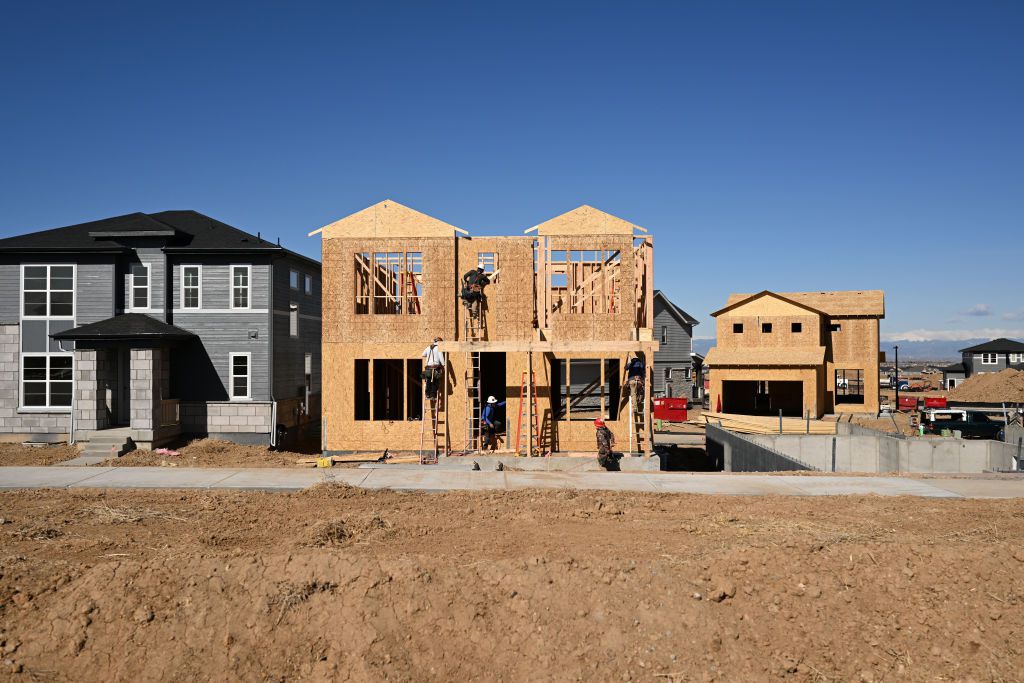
[[491, 399], [481, 266]]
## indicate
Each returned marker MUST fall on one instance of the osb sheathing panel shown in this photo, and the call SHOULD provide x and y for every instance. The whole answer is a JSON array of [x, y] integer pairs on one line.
[[586, 220], [767, 305], [781, 336], [438, 302], [569, 326], [868, 302], [388, 219], [509, 313], [855, 347], [813, 394], [344, 433]]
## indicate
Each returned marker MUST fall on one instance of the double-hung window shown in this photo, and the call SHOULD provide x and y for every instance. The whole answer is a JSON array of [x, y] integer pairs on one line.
[[989, 359], [307, 283], [48, 291], [191, 286], [293, 279], [139, 286], [46, 381], [241, 376], [241, 277]]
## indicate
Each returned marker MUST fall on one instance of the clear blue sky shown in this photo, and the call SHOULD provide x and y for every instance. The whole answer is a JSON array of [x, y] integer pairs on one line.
[[766, 145]]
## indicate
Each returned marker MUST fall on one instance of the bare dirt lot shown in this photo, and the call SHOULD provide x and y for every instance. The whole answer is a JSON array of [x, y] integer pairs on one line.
[[208, 453], [12, 454], [347, 584]]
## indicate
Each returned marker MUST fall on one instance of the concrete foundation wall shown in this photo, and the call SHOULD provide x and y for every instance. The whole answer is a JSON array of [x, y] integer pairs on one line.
[[865, 453]]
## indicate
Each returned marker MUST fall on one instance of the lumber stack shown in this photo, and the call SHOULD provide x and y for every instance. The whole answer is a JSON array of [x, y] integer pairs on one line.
[[756, 424]]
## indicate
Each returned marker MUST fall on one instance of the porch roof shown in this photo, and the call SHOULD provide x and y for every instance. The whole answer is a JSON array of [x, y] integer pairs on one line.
[[128, 326]]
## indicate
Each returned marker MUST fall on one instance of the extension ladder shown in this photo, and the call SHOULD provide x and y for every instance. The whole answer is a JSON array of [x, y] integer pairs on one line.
[[637, 424], [438, 426], [523, 407]]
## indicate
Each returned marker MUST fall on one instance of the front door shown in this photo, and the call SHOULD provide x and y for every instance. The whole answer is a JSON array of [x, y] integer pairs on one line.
[[123, 388]]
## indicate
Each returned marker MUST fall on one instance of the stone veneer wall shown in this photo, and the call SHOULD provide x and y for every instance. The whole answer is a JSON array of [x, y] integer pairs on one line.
[[95, 378], [227, 417], [55, 424], [145, 394]]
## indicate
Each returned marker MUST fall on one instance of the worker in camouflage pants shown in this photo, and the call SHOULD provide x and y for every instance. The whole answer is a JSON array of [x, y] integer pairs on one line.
[[605, 442]]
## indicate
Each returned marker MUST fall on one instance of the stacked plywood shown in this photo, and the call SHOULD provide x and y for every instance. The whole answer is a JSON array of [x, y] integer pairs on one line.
[[754, 424]]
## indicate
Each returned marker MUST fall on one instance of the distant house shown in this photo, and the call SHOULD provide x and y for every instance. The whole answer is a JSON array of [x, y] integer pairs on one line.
[[673, 361], [144, 327], [992, 356]]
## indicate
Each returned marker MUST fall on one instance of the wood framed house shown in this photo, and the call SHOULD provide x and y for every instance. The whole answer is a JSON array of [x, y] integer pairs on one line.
[[145, 327], [570, 305]]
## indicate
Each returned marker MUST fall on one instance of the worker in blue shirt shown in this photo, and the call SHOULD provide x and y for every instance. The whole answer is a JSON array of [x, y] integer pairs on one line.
[[490, 425], [635, 371]]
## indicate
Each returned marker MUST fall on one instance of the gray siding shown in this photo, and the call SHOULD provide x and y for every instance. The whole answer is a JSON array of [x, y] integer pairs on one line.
[[289, 352], [10, 291], [972, 361], [152, 256], [674, 354], [94, 292]]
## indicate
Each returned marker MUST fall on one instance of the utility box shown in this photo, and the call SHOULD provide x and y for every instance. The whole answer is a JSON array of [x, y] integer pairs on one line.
[[670, 409], [935, 402], [907, 403]]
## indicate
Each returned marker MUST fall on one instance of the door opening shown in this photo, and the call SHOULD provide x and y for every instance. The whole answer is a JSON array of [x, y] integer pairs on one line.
[[493, 383]]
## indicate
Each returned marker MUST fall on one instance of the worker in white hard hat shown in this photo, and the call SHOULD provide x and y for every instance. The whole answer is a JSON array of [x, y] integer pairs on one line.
[[433, 371], [473, 283], [490, 425]]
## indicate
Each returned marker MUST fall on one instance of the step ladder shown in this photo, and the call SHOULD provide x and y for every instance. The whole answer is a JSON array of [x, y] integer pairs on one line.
[[521, 447]]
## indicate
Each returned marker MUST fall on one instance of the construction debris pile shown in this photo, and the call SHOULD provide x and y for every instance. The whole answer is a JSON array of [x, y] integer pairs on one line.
[[751, 424], [997, 388]]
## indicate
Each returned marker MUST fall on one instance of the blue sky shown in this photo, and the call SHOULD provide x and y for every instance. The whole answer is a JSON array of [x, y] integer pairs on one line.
[[787, 145]]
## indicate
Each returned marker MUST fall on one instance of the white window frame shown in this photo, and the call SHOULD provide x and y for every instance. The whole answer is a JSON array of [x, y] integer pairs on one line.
[[47, 316], [307, 284], [664, 334], [293, 315], [248, 376], [199, 287], [248, 286], [48, 407], [131, 287], [1017, 357], [297, 276], [985, 358]]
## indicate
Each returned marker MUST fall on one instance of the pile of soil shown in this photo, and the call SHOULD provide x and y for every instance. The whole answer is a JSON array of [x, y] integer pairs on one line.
[[998, 387], [12, 454], [894, 423], [208, 453], [340, 584]]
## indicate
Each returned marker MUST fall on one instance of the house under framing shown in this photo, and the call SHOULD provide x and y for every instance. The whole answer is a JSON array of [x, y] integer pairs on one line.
[[571, 303]]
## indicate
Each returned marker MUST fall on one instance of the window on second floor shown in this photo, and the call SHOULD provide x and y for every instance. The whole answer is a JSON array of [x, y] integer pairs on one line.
[[307, 284], [48, 291], [139, 284], [835, 327], [1017, 357], [240, 285], [766, 328], [797, 328], [664, 334], [191, 278], [293, 279], [293, 320], [989, 359], [389, 283], [737, 328]]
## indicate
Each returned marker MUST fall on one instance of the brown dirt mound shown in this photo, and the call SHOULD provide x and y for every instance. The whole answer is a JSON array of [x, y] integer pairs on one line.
[[998, 387], [518, 585], [208, 453], [12, 454]]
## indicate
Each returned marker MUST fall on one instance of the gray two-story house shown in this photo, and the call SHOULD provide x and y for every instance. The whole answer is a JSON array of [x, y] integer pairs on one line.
[[992, 356], [673, 362], [152, 326]]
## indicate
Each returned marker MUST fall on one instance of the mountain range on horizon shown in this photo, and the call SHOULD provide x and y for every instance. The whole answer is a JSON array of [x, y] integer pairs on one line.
[[934, 349]]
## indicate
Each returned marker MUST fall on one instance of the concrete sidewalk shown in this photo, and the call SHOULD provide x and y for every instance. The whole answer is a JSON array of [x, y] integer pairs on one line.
[[427, 479]]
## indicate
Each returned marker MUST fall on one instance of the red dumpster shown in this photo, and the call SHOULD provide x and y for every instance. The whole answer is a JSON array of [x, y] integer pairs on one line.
[[935, 402], [670, 409], [908, 403]]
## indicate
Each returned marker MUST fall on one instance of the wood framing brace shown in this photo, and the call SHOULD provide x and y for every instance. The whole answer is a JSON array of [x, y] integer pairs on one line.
[[573, 296]]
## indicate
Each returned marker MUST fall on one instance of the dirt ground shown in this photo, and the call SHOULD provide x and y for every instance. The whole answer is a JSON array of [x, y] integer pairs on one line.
[[18, 454], [208, 453], [347, 584]]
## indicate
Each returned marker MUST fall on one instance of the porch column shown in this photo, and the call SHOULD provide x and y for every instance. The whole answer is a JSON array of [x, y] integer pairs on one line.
[[94, 379], [146, 376]]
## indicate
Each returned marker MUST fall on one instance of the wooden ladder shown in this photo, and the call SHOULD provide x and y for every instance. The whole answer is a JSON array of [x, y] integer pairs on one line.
[[521, 447], [438, 422]]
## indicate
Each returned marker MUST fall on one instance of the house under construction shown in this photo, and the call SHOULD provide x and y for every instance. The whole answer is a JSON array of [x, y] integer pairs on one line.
[[570, 303]]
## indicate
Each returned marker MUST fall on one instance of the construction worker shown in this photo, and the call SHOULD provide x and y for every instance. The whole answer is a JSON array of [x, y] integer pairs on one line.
[[490, 425], [433, 373], [605, 442], [635, 376], [473, 283]]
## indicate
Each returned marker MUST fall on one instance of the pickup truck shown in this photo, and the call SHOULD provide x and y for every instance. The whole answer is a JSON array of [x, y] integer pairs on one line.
[[970, 424]]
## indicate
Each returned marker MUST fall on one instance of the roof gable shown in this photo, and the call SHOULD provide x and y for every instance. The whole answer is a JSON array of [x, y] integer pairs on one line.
[[679, 314], [765, 303], [586, 220], [835, 304], [388, 219]]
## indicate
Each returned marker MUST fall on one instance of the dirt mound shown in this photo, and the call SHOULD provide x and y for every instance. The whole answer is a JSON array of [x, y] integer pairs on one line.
[[521, 585], [207, 453], [998, 387], [18, 454]]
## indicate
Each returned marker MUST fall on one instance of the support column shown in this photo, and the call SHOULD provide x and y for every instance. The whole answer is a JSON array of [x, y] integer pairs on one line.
[[146, 365]]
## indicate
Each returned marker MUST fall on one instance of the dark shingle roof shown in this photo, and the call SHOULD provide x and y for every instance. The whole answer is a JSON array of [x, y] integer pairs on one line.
[[126, 326], [1001, 345], [182, 230], [957, 367]]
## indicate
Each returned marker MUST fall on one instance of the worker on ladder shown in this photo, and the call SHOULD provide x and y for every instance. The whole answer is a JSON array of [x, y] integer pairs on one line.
[[473, 283], [635, 377], [433, 373], [606, 457], [490, 425]]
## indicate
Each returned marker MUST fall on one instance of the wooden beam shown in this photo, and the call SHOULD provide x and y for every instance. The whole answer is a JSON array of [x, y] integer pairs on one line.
[[549, 346]]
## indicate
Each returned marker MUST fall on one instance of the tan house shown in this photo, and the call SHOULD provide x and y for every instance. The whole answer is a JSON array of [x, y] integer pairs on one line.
[[569, 307], [798, 352]]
